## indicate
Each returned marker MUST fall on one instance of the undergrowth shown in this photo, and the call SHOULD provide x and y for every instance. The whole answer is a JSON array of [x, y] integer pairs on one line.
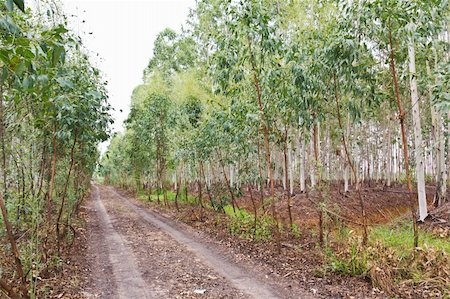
[[145, 196], [242, 223], [390, 261]]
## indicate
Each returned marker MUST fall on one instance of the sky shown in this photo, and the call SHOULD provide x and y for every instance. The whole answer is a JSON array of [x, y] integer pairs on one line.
[[123, 33]]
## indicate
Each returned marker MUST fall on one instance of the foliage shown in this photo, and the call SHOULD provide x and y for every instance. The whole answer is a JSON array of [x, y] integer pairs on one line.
[[225, 102], [242, 224], [390, 261], [53, 114]]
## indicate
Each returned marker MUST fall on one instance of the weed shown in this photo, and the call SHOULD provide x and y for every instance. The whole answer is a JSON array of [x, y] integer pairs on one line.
[[145, 196], [390, 260], [351, 261], [242, 224], [295, 230]]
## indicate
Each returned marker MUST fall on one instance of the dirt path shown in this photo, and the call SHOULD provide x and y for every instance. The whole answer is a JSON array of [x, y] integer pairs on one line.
[[136, 253], [127, 278]]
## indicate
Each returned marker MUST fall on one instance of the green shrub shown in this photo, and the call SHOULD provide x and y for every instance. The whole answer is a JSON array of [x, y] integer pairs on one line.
[[242, 224]]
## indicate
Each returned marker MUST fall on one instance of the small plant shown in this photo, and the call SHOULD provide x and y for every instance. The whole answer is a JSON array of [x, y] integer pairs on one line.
[[242, 224], [295, 230], [352, 260]]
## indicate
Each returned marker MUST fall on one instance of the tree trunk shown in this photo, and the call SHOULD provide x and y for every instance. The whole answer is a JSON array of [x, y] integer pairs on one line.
[[230, 190], [53, 172], [418, 146], [312, 160], [350, 163], [66, 185], [389, 155], [346, 172], [261, 180], [208, 190], [12, 241], [291, 165], [404, 140], [302, 163], [438, 129], [267, 148], [2, 140], [286, 172], [199, 182], [255, 212]]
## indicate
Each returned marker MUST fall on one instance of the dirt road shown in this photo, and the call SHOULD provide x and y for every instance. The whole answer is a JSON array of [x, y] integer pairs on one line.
[[136, 253]]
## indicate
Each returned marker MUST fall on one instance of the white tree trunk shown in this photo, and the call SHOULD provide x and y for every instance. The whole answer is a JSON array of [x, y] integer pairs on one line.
[[290, 167], [441, 193], [327, 155], [438, 148], [346, 171], [209, 175], [389, 156], [175, 180], [231, 175], [302, 152], [312, 161], [418, 146], [237, 178]]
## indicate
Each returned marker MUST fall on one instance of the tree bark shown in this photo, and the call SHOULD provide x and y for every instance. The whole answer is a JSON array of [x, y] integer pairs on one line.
[[401, 116], [12, 241], [267, 148], [230, 190], [64, 194], [350, 163], [312, 160], [302, 163], [53, 172], [389, 155], [438, 129], [418, 146], [286, 173], [261, 180]]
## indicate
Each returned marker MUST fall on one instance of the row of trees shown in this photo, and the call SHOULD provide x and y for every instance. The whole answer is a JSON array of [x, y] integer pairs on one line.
[[299, 93], [53, 114]]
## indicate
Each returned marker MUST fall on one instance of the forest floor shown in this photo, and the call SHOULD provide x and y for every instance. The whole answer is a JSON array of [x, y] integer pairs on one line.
[[131, 248], [132, 252]]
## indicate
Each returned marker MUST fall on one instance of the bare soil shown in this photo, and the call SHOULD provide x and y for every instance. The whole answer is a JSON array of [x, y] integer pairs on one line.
[[382, 203], [130, 249], [135, 253]]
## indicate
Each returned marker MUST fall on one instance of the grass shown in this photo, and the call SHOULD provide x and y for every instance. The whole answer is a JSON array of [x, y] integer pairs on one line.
[[389, 259], [399, 237], [143, 195], [242, 223]]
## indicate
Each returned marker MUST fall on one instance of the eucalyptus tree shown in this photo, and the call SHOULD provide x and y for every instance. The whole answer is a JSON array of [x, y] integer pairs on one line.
[[388, 28], [280, 77], [242, 43], [53, 113]]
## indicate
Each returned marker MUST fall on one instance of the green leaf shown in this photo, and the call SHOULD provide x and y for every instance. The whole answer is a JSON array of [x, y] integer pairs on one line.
[[57, 55], [60, 29], [7, 24], [43, 79], [27, 82], [20, 4], [3, 75], [9, 5], [65, 83]]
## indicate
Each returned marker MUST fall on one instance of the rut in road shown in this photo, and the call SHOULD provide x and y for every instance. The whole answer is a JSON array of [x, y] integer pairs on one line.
[[127, 277], [149, 256], [235, 275]]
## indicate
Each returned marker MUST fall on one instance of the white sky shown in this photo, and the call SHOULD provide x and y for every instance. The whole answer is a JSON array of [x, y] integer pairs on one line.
[[123, 36]]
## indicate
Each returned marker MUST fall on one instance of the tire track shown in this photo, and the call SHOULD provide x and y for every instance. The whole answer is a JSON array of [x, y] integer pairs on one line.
[[127, 277], [236, 275]]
